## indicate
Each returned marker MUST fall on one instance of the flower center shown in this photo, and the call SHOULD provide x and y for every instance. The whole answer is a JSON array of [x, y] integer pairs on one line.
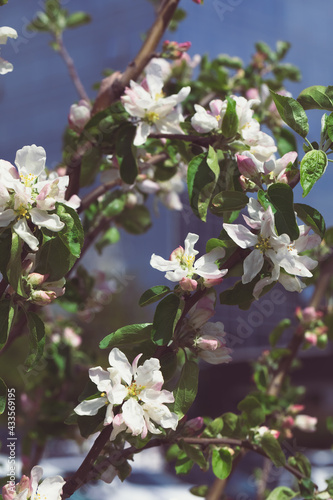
[[151, 117], [22, 212], [188, 261], [263, 244], [218, 117], [159, 95], [134, 390], [28, 179]]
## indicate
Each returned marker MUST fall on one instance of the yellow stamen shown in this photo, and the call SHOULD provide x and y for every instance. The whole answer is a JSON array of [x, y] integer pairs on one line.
[[218, 117], [22, 212], [151, 117], [263, 244], [159, 95], [134, 390], [28, 179]]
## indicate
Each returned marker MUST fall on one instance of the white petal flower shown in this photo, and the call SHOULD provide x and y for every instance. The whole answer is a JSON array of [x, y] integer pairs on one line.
[[182, 263], [137, 389], [5, 33], [30, 489]]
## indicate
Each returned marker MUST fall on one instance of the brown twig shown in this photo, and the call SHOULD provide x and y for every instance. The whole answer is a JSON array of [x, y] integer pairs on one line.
[[96, 193], [71, 69], [135, 67]]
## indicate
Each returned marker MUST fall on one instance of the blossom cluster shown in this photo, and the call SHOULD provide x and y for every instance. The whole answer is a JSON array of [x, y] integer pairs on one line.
[[30, 489], [133, 396], [27, 196]]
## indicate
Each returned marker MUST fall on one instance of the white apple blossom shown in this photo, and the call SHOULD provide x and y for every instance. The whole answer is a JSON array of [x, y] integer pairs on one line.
[[183, 267], [261, 145], [79, 115], [279, 251], [26, 195], [5, 33], [138, 389], [155, 112], [29, 489], [305, 423]]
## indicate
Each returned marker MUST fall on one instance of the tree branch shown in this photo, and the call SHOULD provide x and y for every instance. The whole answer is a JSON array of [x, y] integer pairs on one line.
[[71, 69]]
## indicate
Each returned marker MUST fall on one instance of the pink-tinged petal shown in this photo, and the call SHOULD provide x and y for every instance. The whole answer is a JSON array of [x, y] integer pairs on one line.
[[8, 172], [118, 426], [31, 160], [73, 202], [176, 275], [109, 415], [133, 416], [283, 162], [43, 219], [149, 373], [202, 122], [100, 377], [241, 235], [188, 285], [7, 217], [248, 164], [90, 407], [142, 132], [182, 94], [22, 230], [252, 266], [118, 360], [216, 106], [206, 263], [217, 357], [135, 363], [35, 476]]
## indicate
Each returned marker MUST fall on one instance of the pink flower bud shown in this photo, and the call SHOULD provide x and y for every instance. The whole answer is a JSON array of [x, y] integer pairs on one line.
[[208, 283], [252, 94], [72, 338], [79, 115], [42, 298], [24, 483], [199, 2], [8, 491], [293, 409], [36, 279], [310, 314], [207, 343], [288, 422], [247, 166], [194, 425], [188, 285], [311, 338], [306, 423]]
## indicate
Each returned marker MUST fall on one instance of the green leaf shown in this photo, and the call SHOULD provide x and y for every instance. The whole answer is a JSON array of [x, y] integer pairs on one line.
[[230, 423], [216, 426], [135, 220], [317, 97], [183, 464], [307, 488], [130, 334], [285, 141], [239, 295], [3, 396], [302, 463], [127, 152], [199, 491], [7, 311], [165, 319], [329, 126], [221, 463], [281, 493], [229, 201], [153, 295], [311, 217], [110, 237], [313, 165], [261, 377], [72, 235], [291, 113], [278, 331], [281, 197], [230, 119], [89, 424], [186, 389], [329, 424], [14, 267], [37, 339], [272, 448], [77, 19], [203, 172], [252, 410], [5, 247], [194, 453], [217, 243]]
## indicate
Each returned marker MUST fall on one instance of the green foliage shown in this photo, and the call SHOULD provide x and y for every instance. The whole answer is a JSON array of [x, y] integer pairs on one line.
[[194, 453], [37, 339], [153, 295], [126, 153], [292, 113], [135, 220], [228, 201], [301, 462], [276, 333], [199, 491], [3, 396], [131, 334], [55, 19], [239, 295], [281, 198], [230, 119], [165, 319], [307, 488], [110, 237], [77, 19], [14, 267], [203, 172], [7, 311], [311, 217], [221, 462], [313, 165], [272, 448], [317, 97], [187, 388], [281, 493], [252, 411]]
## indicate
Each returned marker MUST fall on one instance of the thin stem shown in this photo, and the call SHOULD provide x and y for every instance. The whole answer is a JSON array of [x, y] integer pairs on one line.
[[71, 69], [96, 193]]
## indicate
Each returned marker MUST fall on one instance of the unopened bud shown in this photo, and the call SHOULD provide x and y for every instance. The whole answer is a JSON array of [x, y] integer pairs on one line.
[[79, 115], [188, 285]]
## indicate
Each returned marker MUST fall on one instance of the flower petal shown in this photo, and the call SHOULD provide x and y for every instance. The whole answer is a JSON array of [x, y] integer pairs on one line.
[[120, 362], [44, 219], [252, 265], [90, 407], [7, 217], [133, 416], [101, 378], [31, 160], [241, 235], [21, 228]]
